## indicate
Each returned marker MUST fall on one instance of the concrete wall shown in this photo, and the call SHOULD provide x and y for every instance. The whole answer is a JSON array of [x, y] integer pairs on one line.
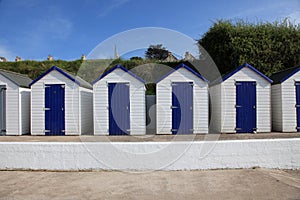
[[273, 153]]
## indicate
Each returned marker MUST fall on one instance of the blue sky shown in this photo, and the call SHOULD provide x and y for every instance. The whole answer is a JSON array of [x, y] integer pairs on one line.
[[33, 29]]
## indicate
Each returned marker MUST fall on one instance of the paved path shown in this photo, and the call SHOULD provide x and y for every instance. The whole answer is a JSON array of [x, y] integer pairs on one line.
[[214, 184], [146, 138]]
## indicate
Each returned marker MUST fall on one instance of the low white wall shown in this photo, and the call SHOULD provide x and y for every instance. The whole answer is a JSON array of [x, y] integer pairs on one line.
[[275, 153]]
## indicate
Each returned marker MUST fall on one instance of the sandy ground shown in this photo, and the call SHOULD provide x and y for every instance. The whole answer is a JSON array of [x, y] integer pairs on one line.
[[211, 184], [147, 138]]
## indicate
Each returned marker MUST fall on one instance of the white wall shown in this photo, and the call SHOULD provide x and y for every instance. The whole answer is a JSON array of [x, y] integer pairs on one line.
[[12, 106], [289, 115], [24, 115], [164, 101], [72, 124], [266, 153], [86, 105], [137, 103], [263, 101], [276, 107]]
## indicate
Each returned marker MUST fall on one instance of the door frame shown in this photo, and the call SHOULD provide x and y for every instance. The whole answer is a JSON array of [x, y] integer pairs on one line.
[[3, 130], [127, 131], [240, 129], [173, 130], [63, 85]]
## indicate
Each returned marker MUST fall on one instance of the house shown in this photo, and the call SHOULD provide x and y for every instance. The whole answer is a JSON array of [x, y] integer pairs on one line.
[[14, 103], [182, 102], [241, 102], [119, 103], [61, 104], [286, 100]]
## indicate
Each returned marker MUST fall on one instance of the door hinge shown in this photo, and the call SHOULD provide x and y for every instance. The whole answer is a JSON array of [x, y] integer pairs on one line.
[[237, 106], [46, 131], [254, 107], [63, 131], [128, 130], [172, 107], [62, 86], [174, 130], [238, 129], [297, 106], [46, 108]]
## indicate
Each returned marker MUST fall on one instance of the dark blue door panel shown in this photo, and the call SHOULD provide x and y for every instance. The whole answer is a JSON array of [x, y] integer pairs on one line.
[[297, 84], [119, 109], [245, 107], [55, 109], [182, 108]]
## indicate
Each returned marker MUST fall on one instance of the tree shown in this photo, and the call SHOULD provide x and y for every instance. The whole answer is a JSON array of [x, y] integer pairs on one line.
[[156, 52], [270, 47]]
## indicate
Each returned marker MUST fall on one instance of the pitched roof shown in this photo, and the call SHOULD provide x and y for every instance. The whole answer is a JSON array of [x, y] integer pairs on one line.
[[225, 77], [281, 76], [185, 67], [118, 67], [76, 79], [21, 80]]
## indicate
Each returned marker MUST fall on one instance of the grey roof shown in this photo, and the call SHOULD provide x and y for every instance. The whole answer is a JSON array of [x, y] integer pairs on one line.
[[21, 80], [281, 76]]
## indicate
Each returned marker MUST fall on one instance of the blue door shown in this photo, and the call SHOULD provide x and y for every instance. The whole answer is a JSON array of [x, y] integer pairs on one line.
[[119, 108], [182, 108], [55, 109], [297, 84], [245, 107]]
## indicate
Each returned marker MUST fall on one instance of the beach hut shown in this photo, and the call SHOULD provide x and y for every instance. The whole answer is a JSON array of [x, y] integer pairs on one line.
[[241, 102], [61, 104], [14, 103], [286, 100], [119, 103], [182, 102]]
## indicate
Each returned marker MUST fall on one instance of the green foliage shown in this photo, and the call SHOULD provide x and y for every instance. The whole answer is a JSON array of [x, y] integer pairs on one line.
[[156, 52], [270, 47]]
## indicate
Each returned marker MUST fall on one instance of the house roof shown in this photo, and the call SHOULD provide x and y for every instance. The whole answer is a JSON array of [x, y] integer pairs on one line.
[[225, 77], [76, 79], [281, 76], [21, 80], [185, 67], [118, 67]]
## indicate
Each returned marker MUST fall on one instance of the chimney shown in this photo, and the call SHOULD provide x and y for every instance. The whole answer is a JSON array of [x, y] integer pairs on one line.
[[83, 57], [50, 58], [17, 59], [3, 59]]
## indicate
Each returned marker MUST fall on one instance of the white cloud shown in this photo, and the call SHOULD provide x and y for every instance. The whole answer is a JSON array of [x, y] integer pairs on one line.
[[114, 5]]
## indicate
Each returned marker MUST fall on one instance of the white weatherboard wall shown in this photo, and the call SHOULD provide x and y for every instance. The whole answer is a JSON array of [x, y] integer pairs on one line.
[[283, 105], [74, 115], [17, 108], [136, 98], [164, 101], [266, 153], [223, 96]]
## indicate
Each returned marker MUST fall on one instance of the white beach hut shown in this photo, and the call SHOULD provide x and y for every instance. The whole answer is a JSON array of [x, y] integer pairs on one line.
[[286, 100], [119, 103], [182, 102], [61, 104], [241, 102], [14, 103]]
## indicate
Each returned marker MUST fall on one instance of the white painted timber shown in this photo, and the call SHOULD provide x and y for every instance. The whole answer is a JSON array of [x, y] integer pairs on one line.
[[266, 153], [225, 122], [137, 100], [17, 108], [164, 101], [73, 102]]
